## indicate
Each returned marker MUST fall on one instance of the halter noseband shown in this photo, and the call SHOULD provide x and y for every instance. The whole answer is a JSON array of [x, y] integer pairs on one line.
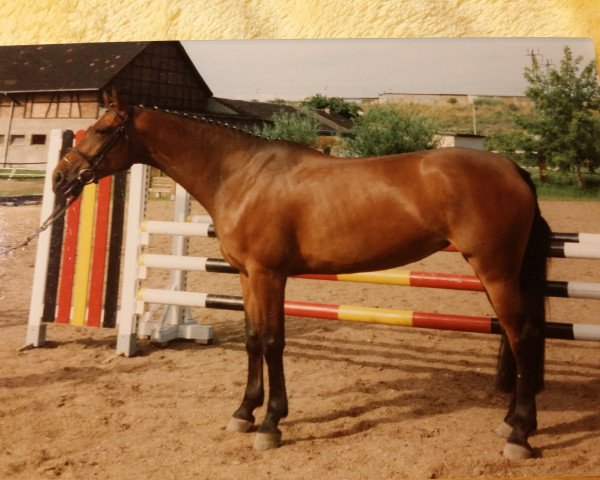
[[90, 175]]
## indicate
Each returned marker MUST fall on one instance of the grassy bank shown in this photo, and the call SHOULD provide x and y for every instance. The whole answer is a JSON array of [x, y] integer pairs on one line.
[[491, 115], [21, 187], [562, 186]]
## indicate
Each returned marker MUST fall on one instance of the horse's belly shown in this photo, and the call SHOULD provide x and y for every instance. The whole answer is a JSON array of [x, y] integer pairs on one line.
[[364, 249]]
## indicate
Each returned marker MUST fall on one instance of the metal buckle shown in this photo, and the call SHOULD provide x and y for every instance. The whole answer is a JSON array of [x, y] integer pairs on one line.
[[87, 176]]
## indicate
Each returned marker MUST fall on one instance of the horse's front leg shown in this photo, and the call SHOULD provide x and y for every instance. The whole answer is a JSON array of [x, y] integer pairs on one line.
[[264, 293], [243, 418]]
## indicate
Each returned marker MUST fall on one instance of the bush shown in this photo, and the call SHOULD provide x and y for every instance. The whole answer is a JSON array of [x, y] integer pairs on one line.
[[335, 104], [295, 127], [490, 101], [385, 130]]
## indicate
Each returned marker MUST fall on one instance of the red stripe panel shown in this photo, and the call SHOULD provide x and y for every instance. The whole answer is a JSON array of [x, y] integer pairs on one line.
[[67, 269], [99, 252], [462, 323], [317, 310], [444, 280]]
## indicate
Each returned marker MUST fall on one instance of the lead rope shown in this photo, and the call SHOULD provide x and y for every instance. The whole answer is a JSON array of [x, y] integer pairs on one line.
[[58, 212]]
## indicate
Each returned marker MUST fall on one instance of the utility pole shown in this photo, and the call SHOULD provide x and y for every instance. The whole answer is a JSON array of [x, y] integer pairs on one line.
[[8, 130], [471, 99]]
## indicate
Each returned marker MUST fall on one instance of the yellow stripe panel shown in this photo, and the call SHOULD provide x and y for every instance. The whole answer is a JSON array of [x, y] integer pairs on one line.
[[387, 277], [401, 318], [84, 254]]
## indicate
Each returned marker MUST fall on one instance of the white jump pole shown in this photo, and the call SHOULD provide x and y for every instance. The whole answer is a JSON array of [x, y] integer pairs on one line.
[[36, 329], [582, 250], [175, 228], [126, 339]]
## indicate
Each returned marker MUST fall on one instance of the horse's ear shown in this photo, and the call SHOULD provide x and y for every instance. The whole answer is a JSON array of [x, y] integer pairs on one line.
[[106, 99], [115, 103], [111, 100]]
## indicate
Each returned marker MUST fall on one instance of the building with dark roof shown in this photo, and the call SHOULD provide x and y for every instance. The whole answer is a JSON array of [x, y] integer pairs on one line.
[[43, 87], [244, 113]]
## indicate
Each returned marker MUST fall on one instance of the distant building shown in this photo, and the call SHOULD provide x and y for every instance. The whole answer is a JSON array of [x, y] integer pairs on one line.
[[464, 140], [459, 98], [43, 87], [250, 113]]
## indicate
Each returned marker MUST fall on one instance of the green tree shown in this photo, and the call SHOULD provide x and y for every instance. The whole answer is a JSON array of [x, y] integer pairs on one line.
[[564, 129], [518, 145], [295, 127], [385, 130], [336, 104]]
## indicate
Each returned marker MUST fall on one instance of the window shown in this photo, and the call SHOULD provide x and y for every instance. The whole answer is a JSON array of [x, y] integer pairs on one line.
[[2, 139], [17, 139], [38, 139]]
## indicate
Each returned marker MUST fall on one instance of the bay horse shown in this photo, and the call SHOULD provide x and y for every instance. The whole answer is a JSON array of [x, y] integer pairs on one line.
[[282, 209]]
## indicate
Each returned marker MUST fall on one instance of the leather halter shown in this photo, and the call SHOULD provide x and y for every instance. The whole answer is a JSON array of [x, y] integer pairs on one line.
[[90, 175]]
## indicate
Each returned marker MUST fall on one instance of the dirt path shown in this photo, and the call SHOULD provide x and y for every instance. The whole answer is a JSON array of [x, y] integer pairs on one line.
[[365, 401]]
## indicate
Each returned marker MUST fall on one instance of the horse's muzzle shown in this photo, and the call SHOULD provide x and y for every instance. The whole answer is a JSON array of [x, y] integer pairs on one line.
[[65, 184]]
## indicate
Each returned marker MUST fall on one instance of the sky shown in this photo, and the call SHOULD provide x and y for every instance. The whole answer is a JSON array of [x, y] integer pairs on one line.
[[358, 68]]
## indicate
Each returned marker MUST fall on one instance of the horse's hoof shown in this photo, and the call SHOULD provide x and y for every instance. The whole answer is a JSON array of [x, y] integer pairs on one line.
[[512, 451], [504, 430], [266, 441], [239, 425]]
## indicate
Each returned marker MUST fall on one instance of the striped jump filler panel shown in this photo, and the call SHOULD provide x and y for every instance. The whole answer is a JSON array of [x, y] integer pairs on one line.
[[85, 292]]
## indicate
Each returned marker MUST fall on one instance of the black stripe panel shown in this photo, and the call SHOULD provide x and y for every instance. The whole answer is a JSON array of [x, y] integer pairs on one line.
[[113, 267], [565, 237], [218, 265], [562, 331], [224, 302], [556, 289], [495, 326], [557, 250]]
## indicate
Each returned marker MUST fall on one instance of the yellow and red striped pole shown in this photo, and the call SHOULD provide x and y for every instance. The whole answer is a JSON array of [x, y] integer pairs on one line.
[[407, 278]]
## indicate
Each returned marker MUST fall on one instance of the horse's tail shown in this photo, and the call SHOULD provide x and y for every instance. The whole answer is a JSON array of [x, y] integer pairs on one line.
[[532, 279]]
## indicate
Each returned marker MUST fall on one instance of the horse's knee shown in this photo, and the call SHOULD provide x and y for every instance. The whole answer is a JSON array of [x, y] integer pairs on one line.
[[273, 346], [253, 343]]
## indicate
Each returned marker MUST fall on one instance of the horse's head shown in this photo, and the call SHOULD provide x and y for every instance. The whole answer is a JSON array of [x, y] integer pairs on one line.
[[102, 151]]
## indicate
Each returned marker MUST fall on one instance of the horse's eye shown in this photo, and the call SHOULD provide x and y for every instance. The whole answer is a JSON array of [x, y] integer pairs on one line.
[[103, 130]]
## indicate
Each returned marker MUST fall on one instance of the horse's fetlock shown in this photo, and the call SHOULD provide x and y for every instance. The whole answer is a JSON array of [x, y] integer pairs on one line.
[[268, 427], [244, 413]]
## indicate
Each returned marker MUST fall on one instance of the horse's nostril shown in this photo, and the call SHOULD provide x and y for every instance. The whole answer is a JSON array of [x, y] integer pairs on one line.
[[58, 178]]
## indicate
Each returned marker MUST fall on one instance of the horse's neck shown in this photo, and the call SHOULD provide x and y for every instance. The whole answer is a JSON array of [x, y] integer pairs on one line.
[[198, 156]]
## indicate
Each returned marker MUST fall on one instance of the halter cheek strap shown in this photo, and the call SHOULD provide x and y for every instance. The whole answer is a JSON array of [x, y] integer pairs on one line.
[[90, 174]]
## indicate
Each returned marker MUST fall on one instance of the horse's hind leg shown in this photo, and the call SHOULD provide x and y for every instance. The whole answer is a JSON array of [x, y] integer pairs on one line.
[[511, 308], [498, 268]]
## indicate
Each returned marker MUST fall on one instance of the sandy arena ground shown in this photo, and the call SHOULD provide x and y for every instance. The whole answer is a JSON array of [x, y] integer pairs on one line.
[[366, 402]]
